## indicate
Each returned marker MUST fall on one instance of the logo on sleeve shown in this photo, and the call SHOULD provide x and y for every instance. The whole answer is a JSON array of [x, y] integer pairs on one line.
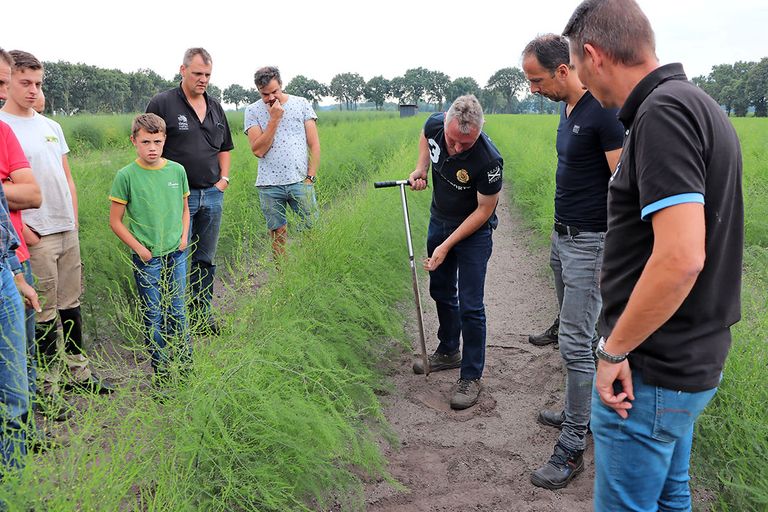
[[494, 174], [183, 124], [463, 176], [434, 151]]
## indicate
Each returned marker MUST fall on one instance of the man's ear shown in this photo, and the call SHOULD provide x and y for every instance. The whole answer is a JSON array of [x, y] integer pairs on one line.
[[594, 54], [562, 71]]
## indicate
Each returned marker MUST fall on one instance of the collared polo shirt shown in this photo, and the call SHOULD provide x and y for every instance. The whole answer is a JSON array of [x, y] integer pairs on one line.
[[680, 148], [457, 179], [194, 144]]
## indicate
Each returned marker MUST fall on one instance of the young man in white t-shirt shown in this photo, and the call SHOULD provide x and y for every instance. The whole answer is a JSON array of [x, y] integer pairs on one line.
[[52, 235], [282, 132]]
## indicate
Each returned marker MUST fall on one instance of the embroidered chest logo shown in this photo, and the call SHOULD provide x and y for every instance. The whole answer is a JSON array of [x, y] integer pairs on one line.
[[462, 175], [51, 138], [576, 129], [494, 174], [173, 184], [183, 124], [434, 151]]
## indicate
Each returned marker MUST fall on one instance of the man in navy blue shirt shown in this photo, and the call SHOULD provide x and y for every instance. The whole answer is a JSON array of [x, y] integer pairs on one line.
[[466, 181], [671, 279], [589, 142]]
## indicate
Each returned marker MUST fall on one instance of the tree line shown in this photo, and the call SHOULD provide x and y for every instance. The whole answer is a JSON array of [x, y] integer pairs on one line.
[[738, 87]]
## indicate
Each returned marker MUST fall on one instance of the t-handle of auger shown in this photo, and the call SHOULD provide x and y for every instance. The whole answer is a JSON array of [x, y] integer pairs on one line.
[[394, 183]]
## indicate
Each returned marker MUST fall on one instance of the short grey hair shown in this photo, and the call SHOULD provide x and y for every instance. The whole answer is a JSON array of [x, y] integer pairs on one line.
[[6, 57], [618, 27], [191, 52], [264, 75], [468, 112]]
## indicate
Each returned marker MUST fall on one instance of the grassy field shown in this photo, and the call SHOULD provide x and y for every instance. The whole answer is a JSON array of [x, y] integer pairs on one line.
[[281, 412], [731, 445]]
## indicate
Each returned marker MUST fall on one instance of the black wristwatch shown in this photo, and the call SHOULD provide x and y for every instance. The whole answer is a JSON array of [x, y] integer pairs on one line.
[[312, 178], [607, 357]]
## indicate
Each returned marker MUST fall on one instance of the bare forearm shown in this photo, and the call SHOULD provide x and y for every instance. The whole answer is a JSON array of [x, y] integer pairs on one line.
[[21, 196], [471, 224], [261, 144], [225, 162], [125, 236]]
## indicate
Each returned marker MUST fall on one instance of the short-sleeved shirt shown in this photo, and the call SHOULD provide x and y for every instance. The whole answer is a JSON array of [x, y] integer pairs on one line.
[[287, 160], [195, 145], [680, 148], [12, 159], [9, 241], [583, 138], [457, 179], [154, 203], [44, 146]]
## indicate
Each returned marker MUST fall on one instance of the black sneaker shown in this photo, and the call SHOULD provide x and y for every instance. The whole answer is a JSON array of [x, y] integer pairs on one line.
[[561, 468], [547, 337], [466, 394], [438, 362], [551, 418]]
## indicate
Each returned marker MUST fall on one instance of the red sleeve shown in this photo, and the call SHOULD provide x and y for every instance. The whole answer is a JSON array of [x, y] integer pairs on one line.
[[15, 155]]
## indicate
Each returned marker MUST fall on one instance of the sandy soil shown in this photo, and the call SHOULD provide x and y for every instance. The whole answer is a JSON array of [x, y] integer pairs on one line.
[[480, 459]]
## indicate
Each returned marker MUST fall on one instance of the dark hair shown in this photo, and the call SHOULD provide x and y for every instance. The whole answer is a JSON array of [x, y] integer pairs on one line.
[[190, 54], [618, 27], [6, 57], [551, 50], [264, 75], [150, 123], [25, 60]]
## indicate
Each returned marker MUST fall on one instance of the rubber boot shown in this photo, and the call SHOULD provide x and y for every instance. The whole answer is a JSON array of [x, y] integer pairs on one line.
[[72, 325], [201, 292]]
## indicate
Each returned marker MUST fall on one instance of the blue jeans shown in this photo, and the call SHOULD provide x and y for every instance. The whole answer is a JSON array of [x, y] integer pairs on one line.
[[161, 284], [14, 392], [457, 287], [275, 200], [576, 262], [641, 463], [29, 314], [205, 209]]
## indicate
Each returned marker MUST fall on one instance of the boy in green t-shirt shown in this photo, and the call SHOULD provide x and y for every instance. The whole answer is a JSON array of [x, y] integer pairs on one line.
[[151, 193]]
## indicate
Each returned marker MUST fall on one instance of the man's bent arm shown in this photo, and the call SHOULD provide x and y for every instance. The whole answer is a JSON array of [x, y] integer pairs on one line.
[[484, 210], [422, 165], [612, 157], [676, 260], [22, 191], [261, 141]]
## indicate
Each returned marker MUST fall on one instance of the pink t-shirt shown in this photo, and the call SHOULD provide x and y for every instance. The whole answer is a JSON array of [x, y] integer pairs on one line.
[[12, 159]]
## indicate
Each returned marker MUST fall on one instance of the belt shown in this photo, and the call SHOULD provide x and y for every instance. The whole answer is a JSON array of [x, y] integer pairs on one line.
[[562, 229]]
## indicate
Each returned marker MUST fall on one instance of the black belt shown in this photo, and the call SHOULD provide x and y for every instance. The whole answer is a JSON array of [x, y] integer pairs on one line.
[[562, 229]]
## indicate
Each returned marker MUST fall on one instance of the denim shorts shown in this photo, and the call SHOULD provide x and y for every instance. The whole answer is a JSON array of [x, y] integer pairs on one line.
[[275, 199]]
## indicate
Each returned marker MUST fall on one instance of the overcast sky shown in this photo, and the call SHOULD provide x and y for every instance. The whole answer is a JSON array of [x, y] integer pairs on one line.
[[320, 39]]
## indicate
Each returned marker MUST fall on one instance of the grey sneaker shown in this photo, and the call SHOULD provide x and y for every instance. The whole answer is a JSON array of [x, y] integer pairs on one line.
[[466, 394], [561, 468], [438, 362], [547, 337]]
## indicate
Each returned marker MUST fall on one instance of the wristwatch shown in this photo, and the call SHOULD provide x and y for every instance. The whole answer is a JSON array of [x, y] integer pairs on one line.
[[225, 178], [608, 357], [312, 178]]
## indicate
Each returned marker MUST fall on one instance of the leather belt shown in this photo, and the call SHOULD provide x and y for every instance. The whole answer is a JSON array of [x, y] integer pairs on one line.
[[562, 229]]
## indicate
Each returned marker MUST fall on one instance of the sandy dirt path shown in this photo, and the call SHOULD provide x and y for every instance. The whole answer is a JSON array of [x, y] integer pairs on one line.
[[481, 459]]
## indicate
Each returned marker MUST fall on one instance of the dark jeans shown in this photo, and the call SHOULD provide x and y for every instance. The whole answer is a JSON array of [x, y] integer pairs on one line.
[[29, 314], [14, 393], [205, 208], [161, 284], [457, 287]]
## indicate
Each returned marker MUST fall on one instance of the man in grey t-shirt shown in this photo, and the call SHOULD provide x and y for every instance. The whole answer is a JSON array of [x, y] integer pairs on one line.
[[282, 131]]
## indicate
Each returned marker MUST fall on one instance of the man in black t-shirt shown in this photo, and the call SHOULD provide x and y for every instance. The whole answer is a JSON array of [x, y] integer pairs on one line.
[[466, 181], [589, 142], [198, 138], [671, 277]]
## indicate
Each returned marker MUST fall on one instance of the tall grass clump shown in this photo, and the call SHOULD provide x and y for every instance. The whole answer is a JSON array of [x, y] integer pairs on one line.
[[96, 132]]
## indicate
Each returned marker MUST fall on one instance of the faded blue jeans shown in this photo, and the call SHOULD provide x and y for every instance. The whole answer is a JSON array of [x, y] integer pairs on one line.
[[31, 344], [641, 463], [576, 262], [458, 287], [205, 209], [161, 283], [14, 391]]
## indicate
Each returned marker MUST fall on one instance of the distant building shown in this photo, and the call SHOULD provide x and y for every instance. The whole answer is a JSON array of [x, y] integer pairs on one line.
[[408, 110]]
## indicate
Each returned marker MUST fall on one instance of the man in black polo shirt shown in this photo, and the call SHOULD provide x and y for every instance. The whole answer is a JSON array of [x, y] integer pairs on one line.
[[589, 142], [671, 276], [466, 179], [198, 138]]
